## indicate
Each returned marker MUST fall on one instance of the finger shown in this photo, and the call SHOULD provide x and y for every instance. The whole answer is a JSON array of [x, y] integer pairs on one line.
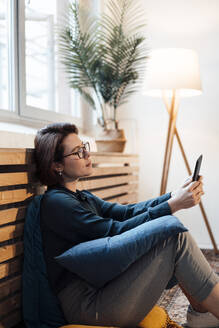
[[187, 181], [199, 193], [200, 177], [199, 187], [193, 185], [197, 199]]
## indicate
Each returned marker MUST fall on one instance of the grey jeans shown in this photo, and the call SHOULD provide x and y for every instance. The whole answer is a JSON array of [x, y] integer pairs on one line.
[[127, 299]]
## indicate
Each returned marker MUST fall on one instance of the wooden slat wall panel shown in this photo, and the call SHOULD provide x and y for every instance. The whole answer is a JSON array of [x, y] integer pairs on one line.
[[9, 251], [14, 196], [11, 231], [7, 269], [10, 286], [12, 214]]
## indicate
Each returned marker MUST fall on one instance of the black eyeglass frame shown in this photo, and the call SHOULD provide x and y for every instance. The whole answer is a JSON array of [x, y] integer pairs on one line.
[[81, 151]]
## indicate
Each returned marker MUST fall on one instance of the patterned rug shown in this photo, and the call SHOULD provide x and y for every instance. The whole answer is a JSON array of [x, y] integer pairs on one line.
[[175, 302]]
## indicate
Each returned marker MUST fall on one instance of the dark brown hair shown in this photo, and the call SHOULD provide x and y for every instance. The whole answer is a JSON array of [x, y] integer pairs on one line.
[[49, 149]]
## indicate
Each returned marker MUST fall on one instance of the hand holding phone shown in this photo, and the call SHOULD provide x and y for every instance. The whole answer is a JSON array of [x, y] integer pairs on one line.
[[197, 169]]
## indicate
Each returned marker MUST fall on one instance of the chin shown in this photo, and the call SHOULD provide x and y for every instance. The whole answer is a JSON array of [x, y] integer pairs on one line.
[[89, 171]]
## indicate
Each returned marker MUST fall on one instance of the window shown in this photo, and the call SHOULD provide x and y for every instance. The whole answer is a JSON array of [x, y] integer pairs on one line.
[[40, 54], [3, 56], [29, 62]]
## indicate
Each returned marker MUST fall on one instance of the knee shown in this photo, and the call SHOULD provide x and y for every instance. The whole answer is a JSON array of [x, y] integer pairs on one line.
[[185, 241], [185, 238]]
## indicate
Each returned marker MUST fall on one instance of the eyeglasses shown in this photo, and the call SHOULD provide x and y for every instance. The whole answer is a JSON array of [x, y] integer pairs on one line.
[[82, 151]]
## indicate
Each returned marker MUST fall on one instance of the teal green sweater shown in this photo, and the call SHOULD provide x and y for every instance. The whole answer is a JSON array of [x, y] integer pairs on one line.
[[69, 218]]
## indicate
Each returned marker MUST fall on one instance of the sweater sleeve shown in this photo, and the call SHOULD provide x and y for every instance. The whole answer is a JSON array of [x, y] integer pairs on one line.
[[67, 216], [156, 206]]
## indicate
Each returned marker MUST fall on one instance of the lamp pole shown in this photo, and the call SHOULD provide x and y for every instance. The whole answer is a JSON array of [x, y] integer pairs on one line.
[[173, 110]]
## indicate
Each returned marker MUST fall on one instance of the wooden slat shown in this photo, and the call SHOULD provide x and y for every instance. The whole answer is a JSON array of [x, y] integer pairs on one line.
[[10, 304], [129, 198], [13, 196], [114, 159], [10, 286], [12, 214], [13, 179], [92, 184], [12, 156], [108, 170], [109, 192], [6, 269], [9, 251], [11, 231], [11, 320], [113, 154]]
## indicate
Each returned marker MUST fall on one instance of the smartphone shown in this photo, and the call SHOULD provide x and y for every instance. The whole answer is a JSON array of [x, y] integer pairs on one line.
[[197, 169]]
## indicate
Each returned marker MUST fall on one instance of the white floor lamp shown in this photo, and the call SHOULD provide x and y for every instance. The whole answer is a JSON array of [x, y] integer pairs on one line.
[[173, 73]]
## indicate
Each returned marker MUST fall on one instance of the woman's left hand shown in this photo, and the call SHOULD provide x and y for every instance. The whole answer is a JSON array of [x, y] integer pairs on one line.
[[188, 195], [187, 182]]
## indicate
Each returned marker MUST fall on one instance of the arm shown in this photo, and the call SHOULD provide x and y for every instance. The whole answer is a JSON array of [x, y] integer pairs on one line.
[[124, 212], [67, 217]]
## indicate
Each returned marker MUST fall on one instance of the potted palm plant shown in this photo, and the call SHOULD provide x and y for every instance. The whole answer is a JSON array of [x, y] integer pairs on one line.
[[105, 59]]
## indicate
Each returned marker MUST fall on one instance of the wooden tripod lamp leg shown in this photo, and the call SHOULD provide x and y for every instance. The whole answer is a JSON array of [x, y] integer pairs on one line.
[[169, 142], [190, 172]]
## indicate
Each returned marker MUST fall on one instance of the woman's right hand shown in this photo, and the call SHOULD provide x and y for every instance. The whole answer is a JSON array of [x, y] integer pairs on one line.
[[187, 196]]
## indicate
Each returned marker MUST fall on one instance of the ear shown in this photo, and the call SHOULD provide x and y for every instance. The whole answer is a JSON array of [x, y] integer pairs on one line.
[[57, 166]]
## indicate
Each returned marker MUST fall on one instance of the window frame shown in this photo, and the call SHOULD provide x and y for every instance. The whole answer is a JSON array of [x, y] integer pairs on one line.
[[18, 111]]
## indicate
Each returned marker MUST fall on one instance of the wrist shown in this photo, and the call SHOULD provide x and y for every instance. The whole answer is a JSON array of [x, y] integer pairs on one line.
[[173, 204]]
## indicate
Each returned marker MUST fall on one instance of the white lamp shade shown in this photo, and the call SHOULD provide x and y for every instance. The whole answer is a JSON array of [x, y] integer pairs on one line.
[[172, 68]]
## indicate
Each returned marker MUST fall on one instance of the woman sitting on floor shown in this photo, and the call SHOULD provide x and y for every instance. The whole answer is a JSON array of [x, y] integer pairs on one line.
[[70, 217]]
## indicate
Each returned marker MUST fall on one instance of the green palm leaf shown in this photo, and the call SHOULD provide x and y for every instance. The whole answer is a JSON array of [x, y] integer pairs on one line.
[[108, 55]]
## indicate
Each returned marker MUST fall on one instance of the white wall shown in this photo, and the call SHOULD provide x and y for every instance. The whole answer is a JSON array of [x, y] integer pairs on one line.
[[187, 24], [21, 136]]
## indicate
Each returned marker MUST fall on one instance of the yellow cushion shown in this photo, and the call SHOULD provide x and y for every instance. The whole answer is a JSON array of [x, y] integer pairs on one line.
[[83, 326], [158, 318]]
